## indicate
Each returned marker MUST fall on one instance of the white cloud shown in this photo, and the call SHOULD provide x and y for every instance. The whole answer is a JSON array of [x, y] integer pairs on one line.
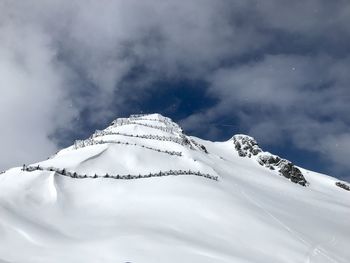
[[60, 58], [32, 100], [287, 99]]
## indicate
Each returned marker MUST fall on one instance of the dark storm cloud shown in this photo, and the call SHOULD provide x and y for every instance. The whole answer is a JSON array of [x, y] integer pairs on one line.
[[275, 67], [300, 99]]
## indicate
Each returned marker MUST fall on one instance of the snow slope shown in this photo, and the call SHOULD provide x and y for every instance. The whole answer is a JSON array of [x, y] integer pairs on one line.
[[163, 197]]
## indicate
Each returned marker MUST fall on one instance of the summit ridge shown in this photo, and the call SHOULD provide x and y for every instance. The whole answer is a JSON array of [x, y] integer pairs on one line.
[[142, 190]]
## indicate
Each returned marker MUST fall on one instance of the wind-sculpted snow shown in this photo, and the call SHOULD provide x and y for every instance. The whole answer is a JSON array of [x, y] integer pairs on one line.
[[156, 118], [121, 122], [182, 141], [88, 142], [142, 190], [247, 146], [177, 135]]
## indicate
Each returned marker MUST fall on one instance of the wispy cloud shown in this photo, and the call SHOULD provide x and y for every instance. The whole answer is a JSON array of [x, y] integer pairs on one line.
[[275, 67]]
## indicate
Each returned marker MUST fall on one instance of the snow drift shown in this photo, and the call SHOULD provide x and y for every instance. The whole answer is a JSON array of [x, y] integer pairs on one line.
[[142, 191]]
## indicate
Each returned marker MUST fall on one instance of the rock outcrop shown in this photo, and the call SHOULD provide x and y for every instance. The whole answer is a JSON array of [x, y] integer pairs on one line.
[[247, 146], [343, 185]]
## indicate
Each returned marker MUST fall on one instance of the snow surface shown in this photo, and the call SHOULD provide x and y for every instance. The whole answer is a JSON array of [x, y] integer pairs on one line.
[[251, 214]]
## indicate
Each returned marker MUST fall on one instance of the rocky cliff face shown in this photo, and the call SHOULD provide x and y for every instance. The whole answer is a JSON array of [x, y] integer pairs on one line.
[[247, 146]]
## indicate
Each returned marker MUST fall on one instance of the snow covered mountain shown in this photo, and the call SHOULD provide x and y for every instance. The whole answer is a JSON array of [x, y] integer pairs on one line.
[[142, 191]]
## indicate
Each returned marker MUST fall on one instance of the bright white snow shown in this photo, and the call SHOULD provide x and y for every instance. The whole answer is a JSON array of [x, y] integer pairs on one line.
[[251, 214]]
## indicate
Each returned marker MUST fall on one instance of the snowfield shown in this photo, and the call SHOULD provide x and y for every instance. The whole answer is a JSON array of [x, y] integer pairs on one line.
[[215, 206]]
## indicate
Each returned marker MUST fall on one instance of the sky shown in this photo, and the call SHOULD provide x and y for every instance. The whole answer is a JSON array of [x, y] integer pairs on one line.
[[276, 70]]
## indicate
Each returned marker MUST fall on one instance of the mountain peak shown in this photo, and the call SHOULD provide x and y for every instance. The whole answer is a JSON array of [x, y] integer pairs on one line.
[[159, 133], [154, 120], [142, 181], [151, 116]]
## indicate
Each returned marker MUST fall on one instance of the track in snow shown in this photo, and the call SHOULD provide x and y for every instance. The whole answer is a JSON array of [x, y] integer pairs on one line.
[[313, 249]]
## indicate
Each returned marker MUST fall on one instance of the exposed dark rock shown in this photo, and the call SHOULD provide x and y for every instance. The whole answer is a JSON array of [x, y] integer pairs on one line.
[[247, 146], [268, 160], [343, 185], [199, 146], [203, 148], [285, 167], [288, 170]]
